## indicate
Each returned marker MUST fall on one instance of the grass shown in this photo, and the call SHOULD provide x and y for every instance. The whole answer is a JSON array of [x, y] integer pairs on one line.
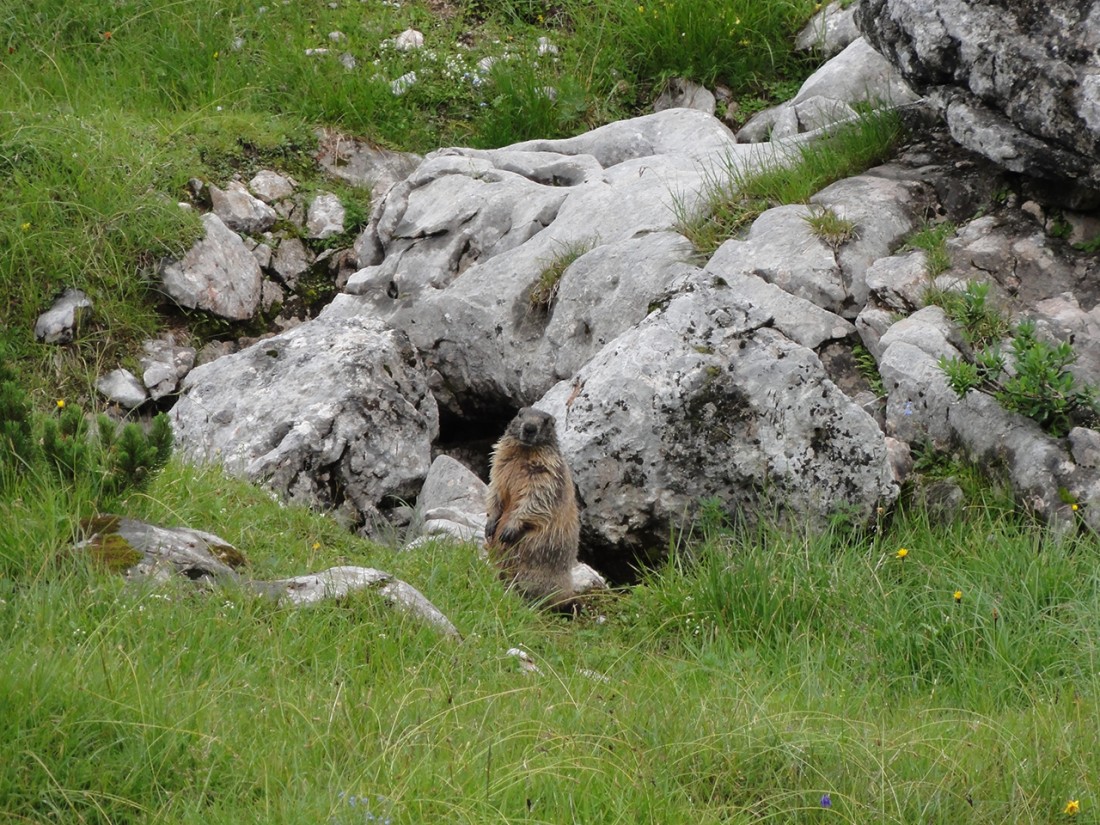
[[734, 200], [545, 290], [800, 664], [796, 664], [830, 227], [932, 239]]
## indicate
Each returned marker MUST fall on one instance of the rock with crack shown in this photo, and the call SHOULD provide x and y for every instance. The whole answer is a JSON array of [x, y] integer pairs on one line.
[[510, 268], [61, 322], [705, 400], [334, 414], [149, 552], [858, 75], [1016, 82], [218, 274], [153, 554]]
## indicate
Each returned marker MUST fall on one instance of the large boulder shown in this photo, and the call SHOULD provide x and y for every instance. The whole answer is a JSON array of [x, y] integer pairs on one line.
[[335, 414], [469, 242], [706, 400], [1017, 82]]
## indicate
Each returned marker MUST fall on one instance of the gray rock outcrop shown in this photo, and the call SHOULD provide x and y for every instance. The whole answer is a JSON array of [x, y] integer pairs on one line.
[[61, 322], [1016, 82], [704, 400], [218, 274], [335, 415]]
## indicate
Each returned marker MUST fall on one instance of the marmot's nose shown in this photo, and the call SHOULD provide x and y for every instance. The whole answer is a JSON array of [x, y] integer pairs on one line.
[[529, 430]]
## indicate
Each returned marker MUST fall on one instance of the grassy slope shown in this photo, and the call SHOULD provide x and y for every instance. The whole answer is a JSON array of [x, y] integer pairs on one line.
[[740, 683], [772, 669]]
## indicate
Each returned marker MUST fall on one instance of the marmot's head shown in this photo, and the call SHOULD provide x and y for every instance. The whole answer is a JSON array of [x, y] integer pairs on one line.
[[533, 428]]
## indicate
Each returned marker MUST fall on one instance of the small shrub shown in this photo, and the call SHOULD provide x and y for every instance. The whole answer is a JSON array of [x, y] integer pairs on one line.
[[1039, 385], [981, 323]]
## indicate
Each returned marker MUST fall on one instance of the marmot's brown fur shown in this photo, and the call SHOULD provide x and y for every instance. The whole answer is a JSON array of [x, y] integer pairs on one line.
[[533, 528]]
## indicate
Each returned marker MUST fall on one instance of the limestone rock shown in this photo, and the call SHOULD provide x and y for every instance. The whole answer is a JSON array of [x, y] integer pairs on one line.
[[325, 216], [61, 322], [340, 582], [335, 414], [1016, 82], [271, 187], [829, 31], [218, 274], [163, 365], [857, 75], [239, 210], [122, 387], [704, 400]]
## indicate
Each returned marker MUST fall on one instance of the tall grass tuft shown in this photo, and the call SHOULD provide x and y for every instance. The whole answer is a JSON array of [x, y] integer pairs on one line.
[[735, 199]]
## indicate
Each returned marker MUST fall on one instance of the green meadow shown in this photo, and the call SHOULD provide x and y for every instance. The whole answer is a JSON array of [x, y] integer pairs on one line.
[[911, 671]]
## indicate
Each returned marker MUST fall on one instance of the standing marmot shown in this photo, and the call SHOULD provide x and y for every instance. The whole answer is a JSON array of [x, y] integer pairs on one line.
[[533, 528]]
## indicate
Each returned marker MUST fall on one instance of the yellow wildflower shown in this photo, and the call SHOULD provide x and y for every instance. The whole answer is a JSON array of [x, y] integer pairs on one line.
[[1073, 807], [316, 545], [1073, 507], [25, 226], [902, 553], [61, 403], [958, 596]]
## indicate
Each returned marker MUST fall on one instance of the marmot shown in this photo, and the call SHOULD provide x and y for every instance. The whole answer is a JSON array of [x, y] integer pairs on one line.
[[533, 529]]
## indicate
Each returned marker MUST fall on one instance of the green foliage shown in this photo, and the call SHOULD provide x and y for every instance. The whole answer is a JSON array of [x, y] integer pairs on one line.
[[545, 290], [933, 240], [1040, 384], [729, 41], [62, 449], [1089, 246], [18, 448], [733, 199], [830, 227], [530, 100], [868, 368], [980, 322]]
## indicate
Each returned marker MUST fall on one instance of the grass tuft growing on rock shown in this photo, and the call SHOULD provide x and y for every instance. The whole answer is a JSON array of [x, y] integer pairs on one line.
[[734, 199]]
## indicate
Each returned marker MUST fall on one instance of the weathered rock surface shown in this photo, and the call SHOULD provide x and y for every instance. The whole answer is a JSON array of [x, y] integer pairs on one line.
[[340, 582], [325, 216], [122, 387], [61, 322], [218, 274], [154, 554], [271, 187], [333, 414], [857, 75], [362, 164], [239, 210], [704, 400], [1016, 82], [829, 31], [150, 552], [466, 240], [163, 365]]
